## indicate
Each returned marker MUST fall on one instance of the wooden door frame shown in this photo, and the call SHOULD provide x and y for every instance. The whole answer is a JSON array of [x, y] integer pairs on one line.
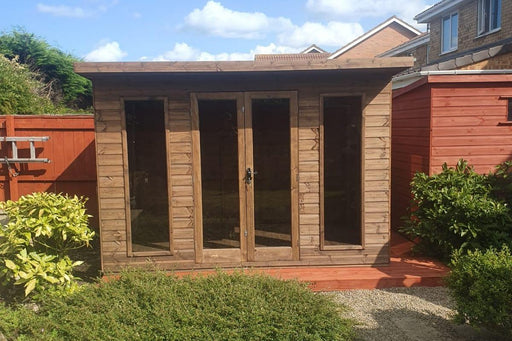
[[278, 252], [200, 256], [126, 178], [246, 194]]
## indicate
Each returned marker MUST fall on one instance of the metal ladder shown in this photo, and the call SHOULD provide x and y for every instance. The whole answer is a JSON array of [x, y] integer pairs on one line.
[[14, 147]]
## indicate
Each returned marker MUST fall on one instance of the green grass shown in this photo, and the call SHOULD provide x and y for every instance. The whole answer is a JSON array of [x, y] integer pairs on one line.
[[155, 306]]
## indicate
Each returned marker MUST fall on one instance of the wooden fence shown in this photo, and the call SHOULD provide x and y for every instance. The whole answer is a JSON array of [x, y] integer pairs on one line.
[[70, 149]]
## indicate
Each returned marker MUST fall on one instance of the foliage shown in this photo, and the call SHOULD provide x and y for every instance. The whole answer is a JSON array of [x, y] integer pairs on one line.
[[155, 306], [501, 182], [42, 229], [456, 209], [21, 91], [480, 282], [56, 67]]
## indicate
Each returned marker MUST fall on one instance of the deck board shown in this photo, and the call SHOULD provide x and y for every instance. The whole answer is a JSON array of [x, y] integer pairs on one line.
[[404, 270]]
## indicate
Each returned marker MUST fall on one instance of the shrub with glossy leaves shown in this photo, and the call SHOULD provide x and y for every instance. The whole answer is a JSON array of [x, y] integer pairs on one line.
[[457, 209], [42, 229], [481, 284]]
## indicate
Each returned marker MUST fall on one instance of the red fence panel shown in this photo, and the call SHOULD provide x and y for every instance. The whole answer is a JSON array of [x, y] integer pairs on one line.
[[70, 149]]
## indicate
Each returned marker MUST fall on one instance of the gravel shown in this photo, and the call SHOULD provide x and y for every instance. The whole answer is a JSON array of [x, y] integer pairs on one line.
[[403, 314]]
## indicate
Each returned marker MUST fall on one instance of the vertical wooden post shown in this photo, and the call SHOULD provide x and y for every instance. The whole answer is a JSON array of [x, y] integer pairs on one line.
[[13, 180]]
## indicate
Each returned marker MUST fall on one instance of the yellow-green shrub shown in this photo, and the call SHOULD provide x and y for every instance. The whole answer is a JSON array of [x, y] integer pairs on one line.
[[42, 229]]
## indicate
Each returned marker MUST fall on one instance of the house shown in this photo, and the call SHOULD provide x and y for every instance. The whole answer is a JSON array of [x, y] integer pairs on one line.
[[379, 39], [371, 44], [255, 163], [313, 49], [457, 101], [463, 35]]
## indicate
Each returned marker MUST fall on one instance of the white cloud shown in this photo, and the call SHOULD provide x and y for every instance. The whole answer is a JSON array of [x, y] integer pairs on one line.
[[182, 52], [347, 9], [100, 6], [214, 19], [333, 34], [64, 11], [107, 52]]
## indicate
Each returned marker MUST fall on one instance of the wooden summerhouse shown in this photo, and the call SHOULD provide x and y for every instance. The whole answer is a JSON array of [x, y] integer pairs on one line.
[[208, 164]]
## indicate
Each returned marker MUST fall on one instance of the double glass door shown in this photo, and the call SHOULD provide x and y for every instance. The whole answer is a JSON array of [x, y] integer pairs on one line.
[[245, 176]]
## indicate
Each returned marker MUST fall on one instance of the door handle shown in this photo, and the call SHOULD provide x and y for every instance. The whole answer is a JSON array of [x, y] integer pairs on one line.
[[248, 176]]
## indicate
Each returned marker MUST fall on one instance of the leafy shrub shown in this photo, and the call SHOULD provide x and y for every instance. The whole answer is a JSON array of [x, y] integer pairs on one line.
[[34, 245], [456, 209], [154, 306], [55, 67], [21, 92], [501, 182], [481, 284]]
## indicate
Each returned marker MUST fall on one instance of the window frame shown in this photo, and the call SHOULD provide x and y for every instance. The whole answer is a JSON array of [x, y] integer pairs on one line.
[[485, 17], [451, 48]]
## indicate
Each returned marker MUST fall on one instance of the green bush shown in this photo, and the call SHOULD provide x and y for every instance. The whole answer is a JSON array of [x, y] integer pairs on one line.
[[42, 229], [456, 209], [481, 284], [154, 306], [21, 91], [55, 67]]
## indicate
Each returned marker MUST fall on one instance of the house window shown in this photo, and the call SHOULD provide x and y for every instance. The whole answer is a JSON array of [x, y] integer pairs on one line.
[[489, 16], [449, 33], [509, 115]]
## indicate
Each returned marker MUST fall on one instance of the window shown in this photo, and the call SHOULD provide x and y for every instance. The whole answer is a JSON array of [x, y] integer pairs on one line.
[[449, 33], [509, 115], [489, 16], [341, 151]]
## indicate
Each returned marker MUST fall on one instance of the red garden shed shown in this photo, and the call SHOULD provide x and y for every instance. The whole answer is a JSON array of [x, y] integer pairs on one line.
[[443, 116]]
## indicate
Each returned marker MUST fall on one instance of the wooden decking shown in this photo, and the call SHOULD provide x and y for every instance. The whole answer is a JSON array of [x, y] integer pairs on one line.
[[404, 270]]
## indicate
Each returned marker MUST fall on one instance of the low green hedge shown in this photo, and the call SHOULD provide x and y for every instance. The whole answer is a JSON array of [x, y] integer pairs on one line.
[[481, 284], [155, 306]]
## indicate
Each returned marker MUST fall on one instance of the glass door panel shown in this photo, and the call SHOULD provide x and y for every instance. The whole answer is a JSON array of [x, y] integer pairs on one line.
[[219, 173], [271, 160]]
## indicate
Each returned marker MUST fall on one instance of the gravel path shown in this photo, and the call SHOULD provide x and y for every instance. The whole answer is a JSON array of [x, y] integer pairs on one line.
[[406, 314]]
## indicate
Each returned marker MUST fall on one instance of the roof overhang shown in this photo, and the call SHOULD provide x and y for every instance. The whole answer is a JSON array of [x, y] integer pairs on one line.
[[407, 82], [438, 9], [93, 69]]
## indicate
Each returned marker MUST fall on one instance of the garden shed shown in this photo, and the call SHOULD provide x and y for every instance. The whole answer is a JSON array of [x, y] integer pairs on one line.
[[254, 163], [442, 116]]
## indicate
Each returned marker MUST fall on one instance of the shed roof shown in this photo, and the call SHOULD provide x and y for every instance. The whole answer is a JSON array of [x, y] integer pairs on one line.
[[90, 69]]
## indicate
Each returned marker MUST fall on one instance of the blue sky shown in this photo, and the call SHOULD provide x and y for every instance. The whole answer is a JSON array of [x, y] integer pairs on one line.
[[131, 30]]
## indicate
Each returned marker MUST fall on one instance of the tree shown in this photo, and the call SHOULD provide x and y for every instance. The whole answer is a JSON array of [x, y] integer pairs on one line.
[[55, 67]]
